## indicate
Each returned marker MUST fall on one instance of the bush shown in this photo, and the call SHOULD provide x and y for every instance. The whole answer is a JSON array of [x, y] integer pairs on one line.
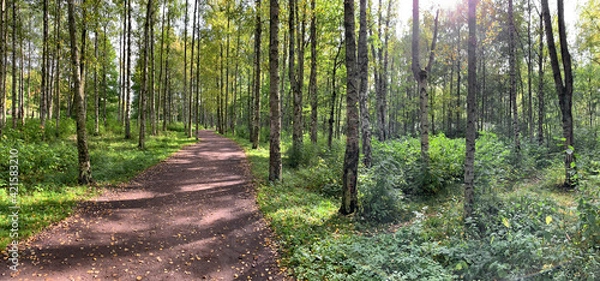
[[397, 256], [446, 166], [379, 198]]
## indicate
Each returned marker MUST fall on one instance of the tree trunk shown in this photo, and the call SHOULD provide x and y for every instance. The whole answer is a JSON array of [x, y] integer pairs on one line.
[[128, 74], [541, 105], [44, 85], [96, 92], [529, 75], [350, 168], [295, 80], [255, 132], [152, 90], [275, 135], [14, 65], [421, 76], [190, 133], [312, 83], [363, 64], [186, 99], [333, 96], [85, 172], [57, 76], [471, 115], [145, 86], [512, 46], [564, 89]]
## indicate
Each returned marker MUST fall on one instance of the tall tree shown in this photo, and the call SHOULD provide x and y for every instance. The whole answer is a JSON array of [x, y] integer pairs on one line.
[[14, 64], [471, 115], [541, 105], [363, 65], [296, 75], [512, 64], [421, 76], [127, 95], [190, 133], [85, 171], [275, 135], [255, 132], [145, 86], [333, 95], [186, 97], [350, 168], [45, 82], [312, 81], [564, 88], [152, 88], [57, 75]]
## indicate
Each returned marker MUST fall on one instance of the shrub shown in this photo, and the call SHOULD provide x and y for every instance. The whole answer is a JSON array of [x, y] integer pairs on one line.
[[380, 200], [446, 165]]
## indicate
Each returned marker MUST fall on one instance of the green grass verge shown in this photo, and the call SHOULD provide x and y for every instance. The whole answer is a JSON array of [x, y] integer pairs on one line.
[[523, 228]]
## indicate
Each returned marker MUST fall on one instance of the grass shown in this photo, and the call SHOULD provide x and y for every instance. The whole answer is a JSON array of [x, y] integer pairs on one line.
[[48, 172]]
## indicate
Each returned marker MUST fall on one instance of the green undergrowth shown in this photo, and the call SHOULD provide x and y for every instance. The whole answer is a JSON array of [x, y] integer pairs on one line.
[[524, 228], [48, 190]]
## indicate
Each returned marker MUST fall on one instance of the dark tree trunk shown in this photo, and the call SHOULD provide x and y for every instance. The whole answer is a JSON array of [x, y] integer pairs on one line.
[[471, 114], [312, 84], [275, 135], [255, 132], [350, 168], [185, 97], [191, 94], [44, 85], [14, 65], [512, 46], [563, 88], [145, 86], [85, 172], [363, 64], [296, 78], [96, 92], [333, 96], [128, 75], [541, 105], [57, 75], [152, 90]]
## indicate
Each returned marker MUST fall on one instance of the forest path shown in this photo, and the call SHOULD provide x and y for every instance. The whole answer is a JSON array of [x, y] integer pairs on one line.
[[192, 217]]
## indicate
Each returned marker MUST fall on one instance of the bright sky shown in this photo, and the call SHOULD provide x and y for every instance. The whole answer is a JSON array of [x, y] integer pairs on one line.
[[405, 11]]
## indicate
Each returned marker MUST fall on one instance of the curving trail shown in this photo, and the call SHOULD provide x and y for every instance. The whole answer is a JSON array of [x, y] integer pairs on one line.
[[192, 217]]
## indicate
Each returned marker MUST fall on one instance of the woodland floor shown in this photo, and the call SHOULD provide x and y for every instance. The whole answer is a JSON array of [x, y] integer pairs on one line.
[[192, 217]]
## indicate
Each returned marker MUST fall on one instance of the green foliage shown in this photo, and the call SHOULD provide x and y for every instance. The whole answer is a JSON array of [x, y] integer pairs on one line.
[[523, 232], [380, 202], [446, 166], [588, 208], [396, 256]]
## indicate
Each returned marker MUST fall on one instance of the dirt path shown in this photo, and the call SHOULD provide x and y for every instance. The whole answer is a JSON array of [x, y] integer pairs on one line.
[[192, 217]]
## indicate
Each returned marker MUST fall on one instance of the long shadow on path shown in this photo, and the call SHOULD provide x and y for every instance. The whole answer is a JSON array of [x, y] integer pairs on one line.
[[192, 217]]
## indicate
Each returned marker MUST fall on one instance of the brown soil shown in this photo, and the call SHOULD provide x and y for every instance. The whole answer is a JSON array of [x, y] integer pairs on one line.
[[192, 217]]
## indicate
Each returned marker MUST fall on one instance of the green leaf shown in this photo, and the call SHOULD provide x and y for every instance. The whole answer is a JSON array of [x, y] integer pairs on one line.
[[505, 222]]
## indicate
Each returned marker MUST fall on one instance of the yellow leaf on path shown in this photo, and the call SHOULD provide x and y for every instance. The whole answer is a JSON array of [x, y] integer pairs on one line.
[[548, 219]]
